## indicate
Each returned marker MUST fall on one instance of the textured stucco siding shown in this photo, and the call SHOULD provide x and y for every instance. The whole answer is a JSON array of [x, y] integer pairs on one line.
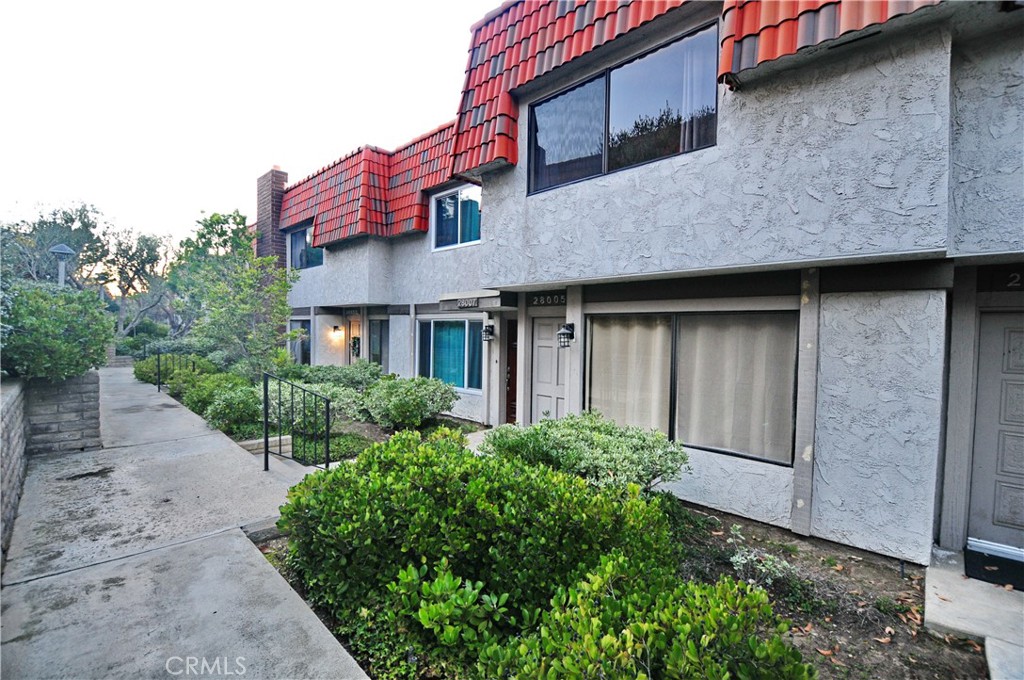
[[879, 420], [987, 180], [357, 273], [848, 159], [743, 487], [423, 275], [400, 347]]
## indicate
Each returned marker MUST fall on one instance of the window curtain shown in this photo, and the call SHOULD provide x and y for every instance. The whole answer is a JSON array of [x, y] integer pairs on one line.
[[735, 382], [446, 220], [449, 352], [700, 103], [629, 369], [469, 217], [475, 352]]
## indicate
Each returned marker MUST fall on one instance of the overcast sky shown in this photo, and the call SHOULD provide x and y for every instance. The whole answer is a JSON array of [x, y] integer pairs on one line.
[[154, 112]]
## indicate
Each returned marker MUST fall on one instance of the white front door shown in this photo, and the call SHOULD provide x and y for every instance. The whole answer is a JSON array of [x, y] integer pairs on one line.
[[997, 478], [549, 368]]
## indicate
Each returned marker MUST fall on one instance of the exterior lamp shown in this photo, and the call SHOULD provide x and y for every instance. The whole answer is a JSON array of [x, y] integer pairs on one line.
[[63, 254], [487, 334], [566, 335]]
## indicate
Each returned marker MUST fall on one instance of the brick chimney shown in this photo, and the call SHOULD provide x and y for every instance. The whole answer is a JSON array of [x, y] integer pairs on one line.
[[269, 193]]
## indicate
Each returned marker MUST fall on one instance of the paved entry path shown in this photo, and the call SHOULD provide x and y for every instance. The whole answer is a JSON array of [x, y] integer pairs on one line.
[[129, 561]]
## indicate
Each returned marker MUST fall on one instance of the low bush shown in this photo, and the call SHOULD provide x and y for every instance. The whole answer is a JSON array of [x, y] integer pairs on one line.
[[237, 411], [398, 403], [305, 414], [521, 531], [53, 333], [170, 364], [204, 389], [594, 448], [357, 376], [626, 621]]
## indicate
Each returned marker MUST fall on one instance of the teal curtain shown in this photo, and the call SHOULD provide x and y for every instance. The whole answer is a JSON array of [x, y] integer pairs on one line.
[[470, 217], [449, 350], [475, 365]]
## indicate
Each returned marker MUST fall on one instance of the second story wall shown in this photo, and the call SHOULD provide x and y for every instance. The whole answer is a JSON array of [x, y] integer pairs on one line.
[[845, 158]]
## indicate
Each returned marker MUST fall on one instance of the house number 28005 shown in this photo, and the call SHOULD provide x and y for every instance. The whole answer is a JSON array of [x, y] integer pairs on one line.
[[547, 299]]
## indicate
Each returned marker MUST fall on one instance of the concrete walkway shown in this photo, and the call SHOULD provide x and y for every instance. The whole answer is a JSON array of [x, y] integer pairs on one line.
[[130, 562], [966, 607]]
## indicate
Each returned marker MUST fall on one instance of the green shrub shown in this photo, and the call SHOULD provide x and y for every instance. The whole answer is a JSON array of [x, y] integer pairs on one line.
[[306, 416], [358, 376], [237, 411], [626, 621], [170, 364], [407, 402], [53, 333], [522, 531], [200, 394], [594, 448]]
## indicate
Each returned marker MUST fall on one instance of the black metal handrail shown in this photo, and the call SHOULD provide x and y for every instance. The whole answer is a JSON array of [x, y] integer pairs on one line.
[[307, 419], [172, 362]]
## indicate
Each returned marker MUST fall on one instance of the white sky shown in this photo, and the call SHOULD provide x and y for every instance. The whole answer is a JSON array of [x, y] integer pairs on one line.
[[154, 112]]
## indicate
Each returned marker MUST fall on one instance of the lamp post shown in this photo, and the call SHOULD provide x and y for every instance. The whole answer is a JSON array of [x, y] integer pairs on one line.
[[63, 254]]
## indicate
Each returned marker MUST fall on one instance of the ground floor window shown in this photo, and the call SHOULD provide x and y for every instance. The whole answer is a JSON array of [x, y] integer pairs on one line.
[[452, 350], [300, 348], [723, 382], [379, 339]]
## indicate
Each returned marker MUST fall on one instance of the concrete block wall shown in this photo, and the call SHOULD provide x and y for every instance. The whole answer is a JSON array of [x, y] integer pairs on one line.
[[12, 456], [63, 416]]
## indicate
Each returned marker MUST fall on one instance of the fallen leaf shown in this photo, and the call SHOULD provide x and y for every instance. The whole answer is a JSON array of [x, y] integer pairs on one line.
[[855, 558], [828, 619], [837, 662], [889, 631], [856, 592], [862, 604], [1008, 586], [808, 627], [974, 646], [916, 577], [944, 599], [717, 533], [825, 652], [838, 567], [884, 641], [988, 568], [902, 617]]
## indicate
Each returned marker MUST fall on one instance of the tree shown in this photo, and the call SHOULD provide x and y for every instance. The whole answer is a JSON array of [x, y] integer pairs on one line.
[[132, 266], [24, 246]]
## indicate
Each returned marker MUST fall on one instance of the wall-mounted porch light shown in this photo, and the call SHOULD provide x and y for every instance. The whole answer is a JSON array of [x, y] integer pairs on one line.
[[566, 335], [338, 333], [487, 334]]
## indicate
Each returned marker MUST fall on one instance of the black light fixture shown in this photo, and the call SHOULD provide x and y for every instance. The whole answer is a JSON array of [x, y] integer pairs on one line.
[[487, 334], [566, 335]]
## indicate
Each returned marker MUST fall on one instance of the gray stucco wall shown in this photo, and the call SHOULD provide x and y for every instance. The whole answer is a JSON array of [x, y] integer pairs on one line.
[[756, 490], [987, 181], [355, 273], [807, 168], [879, 420], [422, 275]]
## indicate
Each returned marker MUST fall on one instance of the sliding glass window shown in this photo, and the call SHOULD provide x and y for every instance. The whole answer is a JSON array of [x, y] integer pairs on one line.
[[452, 351]]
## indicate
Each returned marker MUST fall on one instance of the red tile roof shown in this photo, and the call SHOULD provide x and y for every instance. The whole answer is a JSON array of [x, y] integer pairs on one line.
[[524, 39], [756, 31], [371, 191]]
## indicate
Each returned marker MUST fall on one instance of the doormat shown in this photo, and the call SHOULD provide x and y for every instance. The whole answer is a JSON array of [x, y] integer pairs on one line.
[[992, 569]]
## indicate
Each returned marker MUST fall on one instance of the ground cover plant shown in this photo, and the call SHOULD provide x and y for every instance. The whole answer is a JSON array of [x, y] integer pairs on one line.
[[431, 561]]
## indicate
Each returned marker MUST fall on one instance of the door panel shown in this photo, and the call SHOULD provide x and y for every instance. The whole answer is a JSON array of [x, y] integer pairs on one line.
[[549, 369], [997, 480]]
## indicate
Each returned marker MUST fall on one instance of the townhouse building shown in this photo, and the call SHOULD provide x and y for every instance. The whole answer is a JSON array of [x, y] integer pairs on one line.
[[787, 234]]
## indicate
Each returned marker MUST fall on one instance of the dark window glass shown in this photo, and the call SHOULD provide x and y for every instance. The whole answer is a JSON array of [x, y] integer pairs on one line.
[[659, 105], [469, 215], [567, 136], [424, 349], [379, 342], [304, 255], [301, 347], [446, 220]]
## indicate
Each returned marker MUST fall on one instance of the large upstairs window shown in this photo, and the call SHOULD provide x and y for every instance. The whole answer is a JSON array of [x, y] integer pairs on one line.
[[660, 104]]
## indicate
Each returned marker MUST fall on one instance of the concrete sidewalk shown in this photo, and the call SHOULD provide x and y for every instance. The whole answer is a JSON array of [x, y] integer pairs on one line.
[[126, 559]]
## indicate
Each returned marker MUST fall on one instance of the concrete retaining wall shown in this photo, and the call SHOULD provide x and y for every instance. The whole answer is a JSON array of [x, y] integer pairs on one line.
[[12, 455], [63, 416]]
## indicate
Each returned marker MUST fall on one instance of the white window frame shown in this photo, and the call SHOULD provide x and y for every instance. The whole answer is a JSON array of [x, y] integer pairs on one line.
[[483, 360], [433, 219]]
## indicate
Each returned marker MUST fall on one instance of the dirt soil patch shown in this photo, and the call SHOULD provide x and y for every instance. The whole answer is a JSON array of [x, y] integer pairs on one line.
[[855, 614]]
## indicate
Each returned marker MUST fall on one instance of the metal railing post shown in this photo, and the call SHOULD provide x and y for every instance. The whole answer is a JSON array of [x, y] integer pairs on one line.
[[158, 371], [266, 424], [327, 434]]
